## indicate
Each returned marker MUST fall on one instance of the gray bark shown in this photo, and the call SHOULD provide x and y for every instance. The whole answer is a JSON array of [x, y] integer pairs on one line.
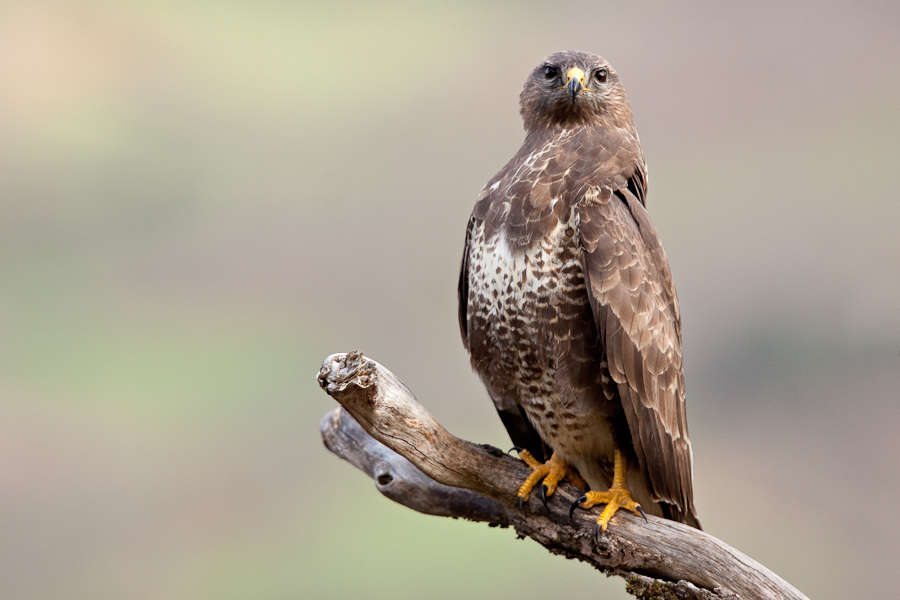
[[414, 461]]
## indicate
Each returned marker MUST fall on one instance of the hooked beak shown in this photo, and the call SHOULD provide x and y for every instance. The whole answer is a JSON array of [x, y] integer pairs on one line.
[[574, 81]]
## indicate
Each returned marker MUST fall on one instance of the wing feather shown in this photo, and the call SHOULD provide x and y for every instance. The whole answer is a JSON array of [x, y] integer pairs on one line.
[[463, 287], [636, 311]]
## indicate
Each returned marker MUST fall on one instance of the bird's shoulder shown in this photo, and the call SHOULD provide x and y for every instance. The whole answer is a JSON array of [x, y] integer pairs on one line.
[[549, 176]]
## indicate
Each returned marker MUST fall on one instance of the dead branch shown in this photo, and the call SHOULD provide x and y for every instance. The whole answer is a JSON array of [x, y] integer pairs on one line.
[[416, 462]]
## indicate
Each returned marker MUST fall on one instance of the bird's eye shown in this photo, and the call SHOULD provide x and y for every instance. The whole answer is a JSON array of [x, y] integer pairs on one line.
[[601, 75], [550, 72]]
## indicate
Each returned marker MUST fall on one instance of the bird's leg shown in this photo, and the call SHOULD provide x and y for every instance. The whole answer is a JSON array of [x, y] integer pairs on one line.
[[616, 497], [551, 472]]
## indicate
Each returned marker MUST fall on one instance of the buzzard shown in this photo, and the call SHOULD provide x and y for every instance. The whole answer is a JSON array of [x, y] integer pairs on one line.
[[567, 305]]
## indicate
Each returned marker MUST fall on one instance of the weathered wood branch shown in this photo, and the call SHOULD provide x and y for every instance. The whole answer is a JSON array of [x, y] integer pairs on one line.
[[416, 462]]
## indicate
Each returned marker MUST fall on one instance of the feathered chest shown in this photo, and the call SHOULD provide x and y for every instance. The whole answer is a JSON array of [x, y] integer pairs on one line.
[[525, 302]]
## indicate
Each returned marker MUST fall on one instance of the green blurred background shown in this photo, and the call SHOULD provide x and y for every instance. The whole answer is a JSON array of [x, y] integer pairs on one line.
[[200, 201]]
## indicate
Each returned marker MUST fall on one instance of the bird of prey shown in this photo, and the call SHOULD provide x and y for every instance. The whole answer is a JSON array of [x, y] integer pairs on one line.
[[567, 305]]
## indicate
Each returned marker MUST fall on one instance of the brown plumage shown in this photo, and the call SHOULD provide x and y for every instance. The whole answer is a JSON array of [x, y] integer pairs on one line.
[[567, 305]]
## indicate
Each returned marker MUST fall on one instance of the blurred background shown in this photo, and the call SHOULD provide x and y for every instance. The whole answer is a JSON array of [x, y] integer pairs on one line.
[[200, 201]]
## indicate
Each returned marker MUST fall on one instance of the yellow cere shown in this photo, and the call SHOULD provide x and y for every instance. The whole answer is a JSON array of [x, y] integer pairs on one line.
[[575, 73]]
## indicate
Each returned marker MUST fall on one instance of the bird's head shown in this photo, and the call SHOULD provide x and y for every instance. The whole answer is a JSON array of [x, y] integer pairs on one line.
[[574, 88]]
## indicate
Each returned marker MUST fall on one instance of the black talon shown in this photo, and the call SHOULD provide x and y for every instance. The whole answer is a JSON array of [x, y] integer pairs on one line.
[[576, 504], [520, 504], [598, 534], [544, 496], [516, 448], [643, 514]]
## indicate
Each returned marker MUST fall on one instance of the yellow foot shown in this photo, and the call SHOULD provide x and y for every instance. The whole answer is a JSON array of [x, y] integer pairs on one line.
[[551, 472], [616, 497]]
